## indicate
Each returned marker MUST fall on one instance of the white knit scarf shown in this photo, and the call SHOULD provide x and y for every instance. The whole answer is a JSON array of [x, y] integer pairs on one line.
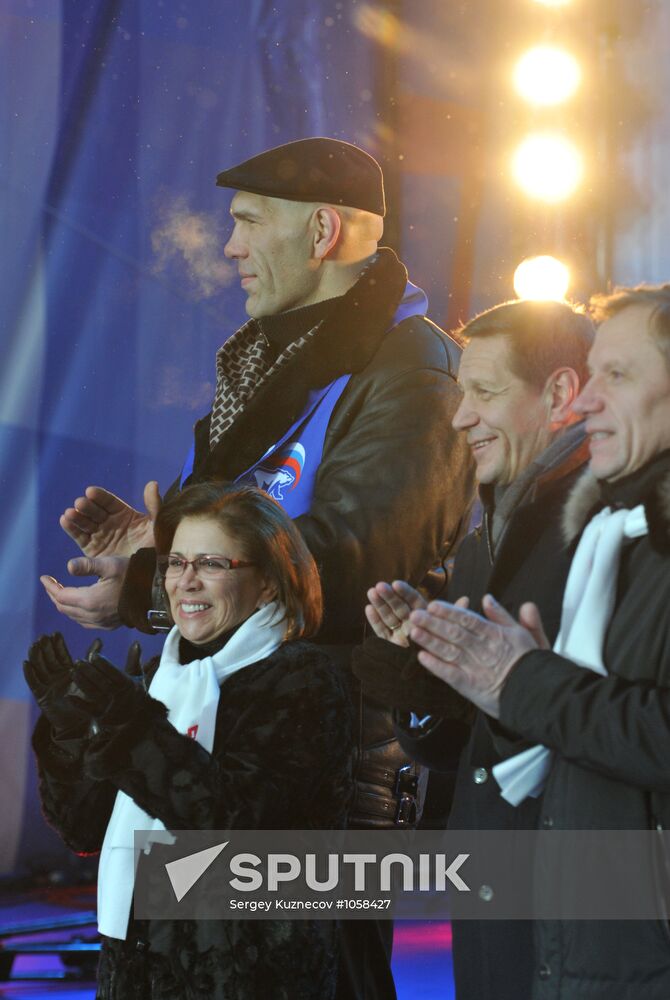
[[588, 604], [191, 694]]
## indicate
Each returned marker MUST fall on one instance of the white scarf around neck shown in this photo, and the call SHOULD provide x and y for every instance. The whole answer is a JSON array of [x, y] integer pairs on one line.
[[191, 694], [588, 604]]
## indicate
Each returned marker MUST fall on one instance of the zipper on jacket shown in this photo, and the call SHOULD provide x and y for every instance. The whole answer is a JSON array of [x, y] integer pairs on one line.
[[487, 533], [662, 865], [263, 335]]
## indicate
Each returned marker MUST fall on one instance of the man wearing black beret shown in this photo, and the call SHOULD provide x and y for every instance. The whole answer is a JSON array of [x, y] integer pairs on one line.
[[336, 396]]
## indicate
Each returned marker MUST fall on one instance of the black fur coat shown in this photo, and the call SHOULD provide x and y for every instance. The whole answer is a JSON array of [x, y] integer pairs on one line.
[[281, 760]]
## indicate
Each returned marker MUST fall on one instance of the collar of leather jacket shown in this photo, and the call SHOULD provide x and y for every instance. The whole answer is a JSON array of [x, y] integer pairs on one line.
[[346, 341]]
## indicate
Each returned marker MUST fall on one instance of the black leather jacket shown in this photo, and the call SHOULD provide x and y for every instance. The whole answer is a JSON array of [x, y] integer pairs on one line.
[[395, 483]]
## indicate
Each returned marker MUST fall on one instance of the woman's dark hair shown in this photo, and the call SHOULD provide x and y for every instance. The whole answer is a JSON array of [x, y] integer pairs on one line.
[[267, 537]]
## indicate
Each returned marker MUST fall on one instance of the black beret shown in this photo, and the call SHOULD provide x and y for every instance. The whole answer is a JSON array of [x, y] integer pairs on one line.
[[317, 169]]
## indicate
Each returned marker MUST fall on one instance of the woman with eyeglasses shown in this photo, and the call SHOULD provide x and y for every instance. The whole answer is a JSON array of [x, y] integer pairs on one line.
[[244, 726]]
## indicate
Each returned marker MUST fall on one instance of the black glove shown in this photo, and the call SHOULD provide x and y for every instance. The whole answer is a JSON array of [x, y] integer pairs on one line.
[[49, 675], [393, 676], [108, 696]]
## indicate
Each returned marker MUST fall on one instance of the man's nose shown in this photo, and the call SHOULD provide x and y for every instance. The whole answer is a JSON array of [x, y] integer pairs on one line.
[[464, 417], [588, 401], [233, 248]]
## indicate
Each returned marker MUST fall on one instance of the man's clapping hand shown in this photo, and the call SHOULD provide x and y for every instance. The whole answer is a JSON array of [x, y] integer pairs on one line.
[[389, 609], [108, 531], [103, 524], [474, 654]]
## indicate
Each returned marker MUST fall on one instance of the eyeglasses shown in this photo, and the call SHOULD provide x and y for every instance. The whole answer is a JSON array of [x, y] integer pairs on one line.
[[208, 567]]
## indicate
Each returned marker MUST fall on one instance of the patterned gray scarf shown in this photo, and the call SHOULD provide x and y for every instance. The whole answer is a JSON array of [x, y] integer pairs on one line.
[[243, 365]]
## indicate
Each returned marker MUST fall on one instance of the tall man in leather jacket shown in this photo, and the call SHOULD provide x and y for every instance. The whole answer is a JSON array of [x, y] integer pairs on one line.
[[337, 397], [519, 377], [599, 702]]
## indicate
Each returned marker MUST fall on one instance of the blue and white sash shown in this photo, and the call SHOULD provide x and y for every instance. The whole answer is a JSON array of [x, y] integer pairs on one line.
[[288, 469]]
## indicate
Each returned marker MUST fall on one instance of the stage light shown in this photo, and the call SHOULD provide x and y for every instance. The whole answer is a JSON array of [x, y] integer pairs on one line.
[[547, 166], [546, 75], [380, 25], [554, 3], [541, 277]]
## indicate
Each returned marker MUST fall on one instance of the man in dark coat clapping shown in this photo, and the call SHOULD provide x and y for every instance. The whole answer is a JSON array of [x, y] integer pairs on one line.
[[592, 714], [520, 375]]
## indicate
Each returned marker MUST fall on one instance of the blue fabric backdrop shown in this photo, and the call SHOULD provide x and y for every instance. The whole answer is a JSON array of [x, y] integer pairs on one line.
[[116, 116]]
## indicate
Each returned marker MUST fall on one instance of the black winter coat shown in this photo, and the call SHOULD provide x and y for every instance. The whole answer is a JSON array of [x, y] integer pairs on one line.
[[611, 737], [281, 760]]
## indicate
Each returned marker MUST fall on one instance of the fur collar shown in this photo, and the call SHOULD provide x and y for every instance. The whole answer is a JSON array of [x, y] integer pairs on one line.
[[346, 341], [585, 500], [581, 505]]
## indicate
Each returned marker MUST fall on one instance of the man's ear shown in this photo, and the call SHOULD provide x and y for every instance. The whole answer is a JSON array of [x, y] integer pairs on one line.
[[562, 390], [327, 226]]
